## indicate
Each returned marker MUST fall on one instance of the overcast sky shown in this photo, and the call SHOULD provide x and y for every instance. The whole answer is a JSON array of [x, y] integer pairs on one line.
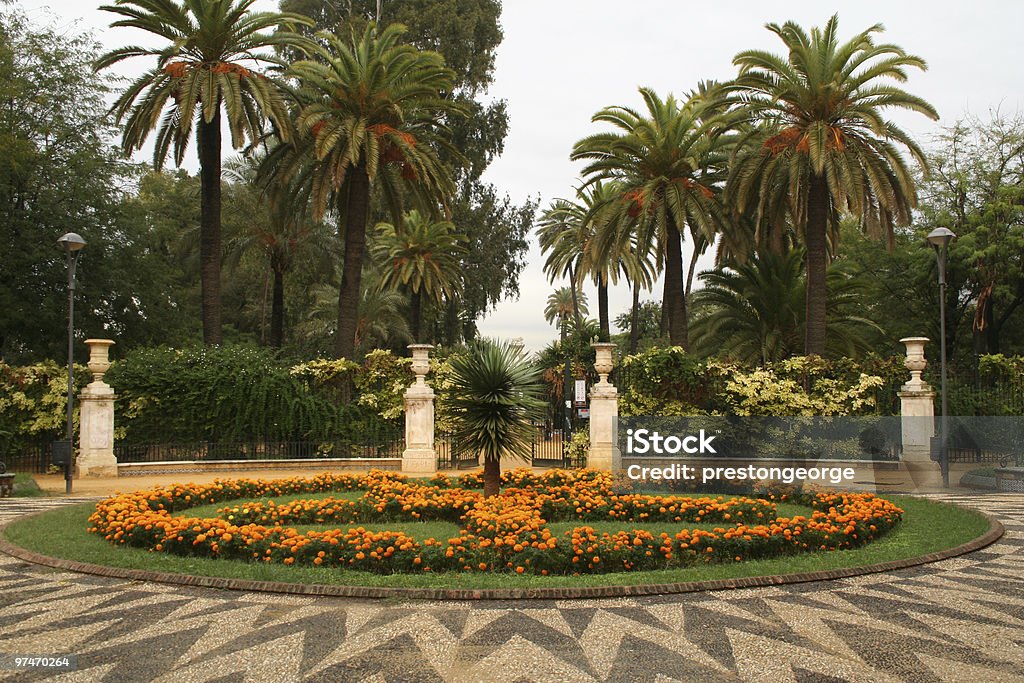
[[561, 61]]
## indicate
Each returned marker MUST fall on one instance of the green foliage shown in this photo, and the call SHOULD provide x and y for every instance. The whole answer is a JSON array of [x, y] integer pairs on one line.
[[664, 381], [233, 393], [381, 383], [754, 312], [670, 382], [496, 394], [57, 174], [33, 403], [772, 390], [819, 143], [238, 393]]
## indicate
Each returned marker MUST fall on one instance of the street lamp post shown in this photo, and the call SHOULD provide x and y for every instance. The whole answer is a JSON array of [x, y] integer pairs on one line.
[[940, 238], [71, 243], [567, 393]]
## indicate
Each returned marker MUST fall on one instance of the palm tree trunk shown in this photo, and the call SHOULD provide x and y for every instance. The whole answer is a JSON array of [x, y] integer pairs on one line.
[[416, 316], [693, 267], [356, 210], [602, 311], [277, 310], [634, 320], [208, 143], [492, 477], [575, 299], [814, 239], [674, 298]]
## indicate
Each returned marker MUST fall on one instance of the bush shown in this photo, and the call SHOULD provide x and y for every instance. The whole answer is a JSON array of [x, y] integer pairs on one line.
[[33, 403], [669, 382]]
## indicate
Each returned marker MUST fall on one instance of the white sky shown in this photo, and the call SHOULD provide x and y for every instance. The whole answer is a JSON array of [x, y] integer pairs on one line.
[[561, 61]]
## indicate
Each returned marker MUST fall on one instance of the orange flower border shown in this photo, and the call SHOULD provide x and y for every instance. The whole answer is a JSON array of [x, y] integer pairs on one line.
[[505, 533]]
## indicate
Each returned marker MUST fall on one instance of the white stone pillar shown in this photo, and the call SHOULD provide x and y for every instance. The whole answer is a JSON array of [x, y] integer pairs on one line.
[[917, 404], [96, 417], [419, 457], [604, 414]]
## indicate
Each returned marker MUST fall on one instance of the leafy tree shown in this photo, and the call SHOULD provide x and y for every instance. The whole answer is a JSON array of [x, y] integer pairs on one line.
[[382, 321], [57, 175], [643, 321], [420, 255], [496, 249], [282, 234], [466, 33], [666, 162], [821, 144], [369, 118], [496, 398], [976, 188], [754, 312], [210, 64]]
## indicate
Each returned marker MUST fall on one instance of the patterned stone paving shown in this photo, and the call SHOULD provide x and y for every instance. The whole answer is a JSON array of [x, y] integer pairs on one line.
[[961, 619]]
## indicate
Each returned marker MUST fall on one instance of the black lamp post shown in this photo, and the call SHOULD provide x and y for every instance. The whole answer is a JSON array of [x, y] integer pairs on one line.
[[940, 238], [71, 243], [567, 394]]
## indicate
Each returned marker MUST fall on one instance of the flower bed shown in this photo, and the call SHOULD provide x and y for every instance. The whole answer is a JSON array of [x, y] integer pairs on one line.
[[504, 533]]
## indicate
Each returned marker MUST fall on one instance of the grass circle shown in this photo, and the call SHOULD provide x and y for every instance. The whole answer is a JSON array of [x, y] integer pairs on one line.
[[505, 533], [928, 531]]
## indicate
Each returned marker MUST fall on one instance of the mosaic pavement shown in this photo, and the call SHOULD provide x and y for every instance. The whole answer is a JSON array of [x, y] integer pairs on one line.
[[961, 619]]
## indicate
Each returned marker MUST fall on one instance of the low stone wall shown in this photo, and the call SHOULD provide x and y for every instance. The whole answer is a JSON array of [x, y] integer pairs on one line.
[[138, 469]]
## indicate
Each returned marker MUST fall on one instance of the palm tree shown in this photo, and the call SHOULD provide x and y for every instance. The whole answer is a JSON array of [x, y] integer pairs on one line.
[[561, 231], [422, 256], [562, 304], [283, 234], [754, 311], [666, 163], [496, 397], [585, 239], [822, 145], [381, 323], [370, 119], [209, 64]]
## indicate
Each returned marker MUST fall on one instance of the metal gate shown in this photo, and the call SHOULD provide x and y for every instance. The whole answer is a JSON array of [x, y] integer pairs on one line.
[[447, 459]]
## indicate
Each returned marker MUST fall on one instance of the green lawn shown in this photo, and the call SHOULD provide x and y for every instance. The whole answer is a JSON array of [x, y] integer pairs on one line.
[[927, 527], [26, 487]]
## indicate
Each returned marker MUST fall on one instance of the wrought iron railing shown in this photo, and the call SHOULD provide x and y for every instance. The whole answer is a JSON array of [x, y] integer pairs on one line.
[[258, 450]]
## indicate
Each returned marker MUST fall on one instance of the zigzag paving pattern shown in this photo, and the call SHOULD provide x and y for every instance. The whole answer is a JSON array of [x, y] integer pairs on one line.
[[961, 619]]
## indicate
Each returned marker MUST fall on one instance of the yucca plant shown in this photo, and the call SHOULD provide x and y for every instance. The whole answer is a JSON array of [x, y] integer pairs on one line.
[[496, 393]]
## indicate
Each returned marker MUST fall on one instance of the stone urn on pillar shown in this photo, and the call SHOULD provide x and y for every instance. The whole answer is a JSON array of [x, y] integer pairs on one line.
[[96, 444], [419, 456], [604, 413], [917, 404]]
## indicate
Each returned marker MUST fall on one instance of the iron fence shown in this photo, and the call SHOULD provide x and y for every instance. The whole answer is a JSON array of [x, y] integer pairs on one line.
[[447, 455], [391, 447], [33, 458]]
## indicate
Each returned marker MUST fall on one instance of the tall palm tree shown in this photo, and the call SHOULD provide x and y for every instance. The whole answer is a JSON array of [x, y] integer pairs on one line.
[[562, 232], [210, 63], [754, 311], [585, 239], [370, 119], [667, 164], [822, 145], [283, 233], [422, 256], [496, 397], [561, 306]]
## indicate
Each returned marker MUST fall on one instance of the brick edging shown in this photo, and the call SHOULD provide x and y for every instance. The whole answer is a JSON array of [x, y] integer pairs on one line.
[[994, 532]]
